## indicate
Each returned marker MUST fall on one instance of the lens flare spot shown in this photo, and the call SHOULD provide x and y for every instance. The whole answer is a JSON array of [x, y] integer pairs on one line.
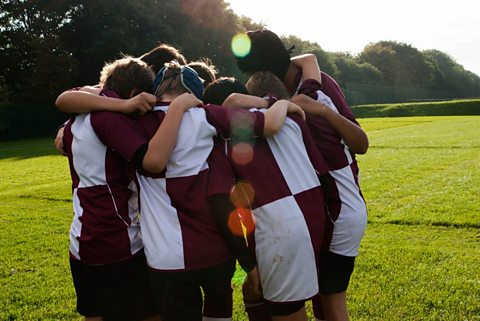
[[241, 45], [242, 153], [242, 195], [241, 223], [242, 125]]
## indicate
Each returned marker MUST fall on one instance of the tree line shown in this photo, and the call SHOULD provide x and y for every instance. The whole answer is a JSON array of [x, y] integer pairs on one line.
[[49, 46]]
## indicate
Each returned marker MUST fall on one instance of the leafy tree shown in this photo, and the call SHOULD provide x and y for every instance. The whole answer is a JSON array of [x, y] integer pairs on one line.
[[34, 63], [49, 46], [325, 59], [351, 70], [101, 31], [401, 64], [211, 25], [450, 76]]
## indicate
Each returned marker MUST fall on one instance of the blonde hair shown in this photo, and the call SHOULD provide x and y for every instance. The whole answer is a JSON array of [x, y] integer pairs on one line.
[[126, 75]]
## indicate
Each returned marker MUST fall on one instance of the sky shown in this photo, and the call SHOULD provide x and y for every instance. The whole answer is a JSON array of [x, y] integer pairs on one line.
[[452, 27]]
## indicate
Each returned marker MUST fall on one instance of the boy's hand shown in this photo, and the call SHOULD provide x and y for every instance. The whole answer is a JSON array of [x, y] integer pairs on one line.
[[301, 99], [295, 109], [140, 103], [59, 142], [186, 101], [251, 288]]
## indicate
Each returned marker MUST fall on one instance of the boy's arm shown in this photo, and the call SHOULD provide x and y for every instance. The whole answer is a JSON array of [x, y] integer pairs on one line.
[[79, 101], [353, 135], [308, 64], [251, 288], [275, 116], [163, 142], [59, 141], [237, 100]]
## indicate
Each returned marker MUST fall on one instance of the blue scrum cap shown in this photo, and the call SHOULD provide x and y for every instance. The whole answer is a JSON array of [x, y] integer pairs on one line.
[[188, 77]]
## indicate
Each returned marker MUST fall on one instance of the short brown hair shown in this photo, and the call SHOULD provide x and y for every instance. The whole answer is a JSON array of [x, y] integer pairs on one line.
[[160, 55], [263, 82], [205, 69], [127, 75], [217, 91]]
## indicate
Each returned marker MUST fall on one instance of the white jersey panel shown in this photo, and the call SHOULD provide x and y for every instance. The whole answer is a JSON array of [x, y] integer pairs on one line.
[[76, 227], [324, 99], [87, 147], [289, 153], [161, 230], [194, 144], [352, 220], [287, 273], [134, 232]]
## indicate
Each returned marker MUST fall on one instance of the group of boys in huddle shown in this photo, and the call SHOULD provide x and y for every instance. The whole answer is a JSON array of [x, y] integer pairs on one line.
[[178, 175]]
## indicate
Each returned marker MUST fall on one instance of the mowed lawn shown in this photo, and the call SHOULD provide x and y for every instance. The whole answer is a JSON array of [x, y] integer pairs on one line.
[[419, 259]]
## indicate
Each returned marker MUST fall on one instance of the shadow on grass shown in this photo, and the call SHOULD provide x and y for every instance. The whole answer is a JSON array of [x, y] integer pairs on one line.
[[27, 148]]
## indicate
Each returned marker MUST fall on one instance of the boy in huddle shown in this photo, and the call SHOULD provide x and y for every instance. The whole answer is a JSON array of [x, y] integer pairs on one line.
[[185, 209], [107, 260], [337, 135], [202, 261], [285, 194]]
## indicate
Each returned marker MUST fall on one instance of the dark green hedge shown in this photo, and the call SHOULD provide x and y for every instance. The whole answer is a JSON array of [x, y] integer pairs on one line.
[[440, 108], [29, 121]]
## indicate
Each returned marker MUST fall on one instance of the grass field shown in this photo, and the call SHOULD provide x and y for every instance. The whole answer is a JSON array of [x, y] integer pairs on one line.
[[419, 260]]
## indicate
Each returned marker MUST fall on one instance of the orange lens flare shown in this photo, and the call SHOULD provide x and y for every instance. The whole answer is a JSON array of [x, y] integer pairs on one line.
[[241, 223], [242, 153], [242, 195]]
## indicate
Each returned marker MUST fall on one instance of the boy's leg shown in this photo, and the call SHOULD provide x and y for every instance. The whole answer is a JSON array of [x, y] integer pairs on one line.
[[276, 312], [334, 277], [257, 311], [255, 306], [126, 294], [84, 281], [287, 311], [317, 308], [183, 299], [335, 306], [217, 288]]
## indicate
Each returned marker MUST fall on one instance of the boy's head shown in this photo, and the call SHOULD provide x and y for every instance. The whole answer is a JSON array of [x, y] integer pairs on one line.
[[263, 82], [174, 80], [205, 69], [127, 76], [217, 91], [160, 55], [267, 53]]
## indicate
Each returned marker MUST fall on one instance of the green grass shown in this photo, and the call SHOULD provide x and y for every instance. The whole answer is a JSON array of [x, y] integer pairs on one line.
[[436, 108], [419, 259]]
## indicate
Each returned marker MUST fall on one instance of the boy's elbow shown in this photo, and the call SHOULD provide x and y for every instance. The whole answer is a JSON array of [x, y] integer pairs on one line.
[[311, 57], [59, 102], [153, 166], [231, 101], [362, 148], [271, 129]]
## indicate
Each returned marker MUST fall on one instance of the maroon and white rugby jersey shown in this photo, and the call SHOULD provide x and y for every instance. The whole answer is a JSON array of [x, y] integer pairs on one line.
[[105, 226], [288, 208], [350, 222], [179, 231]]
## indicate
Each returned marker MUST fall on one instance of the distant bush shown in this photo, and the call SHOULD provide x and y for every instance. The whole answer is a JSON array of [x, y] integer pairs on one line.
[[438, 108], [29, 121]]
